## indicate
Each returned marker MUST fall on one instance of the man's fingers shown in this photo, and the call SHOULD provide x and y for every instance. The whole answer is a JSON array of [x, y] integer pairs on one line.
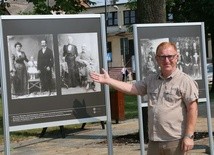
[[104, 71], [95, 76]]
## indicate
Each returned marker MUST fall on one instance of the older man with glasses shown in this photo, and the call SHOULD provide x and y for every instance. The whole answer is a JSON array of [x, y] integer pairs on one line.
[[172, 103]]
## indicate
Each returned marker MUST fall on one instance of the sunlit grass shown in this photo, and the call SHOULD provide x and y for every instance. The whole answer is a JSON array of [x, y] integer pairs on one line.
[[131, 107]]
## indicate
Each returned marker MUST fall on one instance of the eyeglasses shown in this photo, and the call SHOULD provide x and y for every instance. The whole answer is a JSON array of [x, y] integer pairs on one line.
[[169, 57]]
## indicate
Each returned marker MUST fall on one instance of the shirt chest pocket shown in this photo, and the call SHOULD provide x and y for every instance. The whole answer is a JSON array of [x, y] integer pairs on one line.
[[171, 96], [153, 95]]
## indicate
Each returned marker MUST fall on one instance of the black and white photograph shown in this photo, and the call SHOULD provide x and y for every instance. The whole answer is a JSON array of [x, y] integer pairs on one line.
[[147, 55], [78, 56], [189, 55], [32, 70]]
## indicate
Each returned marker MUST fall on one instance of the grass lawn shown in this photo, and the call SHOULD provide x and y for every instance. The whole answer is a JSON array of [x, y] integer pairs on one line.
[[131, 107]]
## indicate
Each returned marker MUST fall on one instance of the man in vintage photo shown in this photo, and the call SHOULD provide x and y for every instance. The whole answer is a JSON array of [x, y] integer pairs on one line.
[[85, 66], [186, 59], [70, 53], [44, 65]]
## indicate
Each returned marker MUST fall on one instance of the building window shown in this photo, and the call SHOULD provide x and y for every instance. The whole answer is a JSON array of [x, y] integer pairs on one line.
[[124, 46], [129, 17], [131, 47], [112, 19]]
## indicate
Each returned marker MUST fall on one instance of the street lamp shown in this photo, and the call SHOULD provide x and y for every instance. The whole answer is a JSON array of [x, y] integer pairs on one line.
[[112, 3]]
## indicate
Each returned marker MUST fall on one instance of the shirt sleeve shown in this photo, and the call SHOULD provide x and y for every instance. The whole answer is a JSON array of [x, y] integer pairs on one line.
[[191, 92], [141, 87]]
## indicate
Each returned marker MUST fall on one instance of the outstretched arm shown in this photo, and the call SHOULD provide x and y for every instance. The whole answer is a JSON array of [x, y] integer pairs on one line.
[[118, 85]]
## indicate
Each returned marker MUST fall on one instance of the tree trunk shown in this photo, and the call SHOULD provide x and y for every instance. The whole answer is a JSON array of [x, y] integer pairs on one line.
[[151, 11]]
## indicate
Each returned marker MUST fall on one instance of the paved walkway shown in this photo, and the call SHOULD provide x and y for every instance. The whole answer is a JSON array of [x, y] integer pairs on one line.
[[90, 141]]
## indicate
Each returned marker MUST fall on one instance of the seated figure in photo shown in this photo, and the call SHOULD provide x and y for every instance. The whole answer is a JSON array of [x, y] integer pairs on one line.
[[32, 68], [85, 65]]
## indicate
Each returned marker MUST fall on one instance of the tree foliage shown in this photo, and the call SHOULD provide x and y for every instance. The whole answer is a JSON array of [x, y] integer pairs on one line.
[[41, 7], [193, 11], [3, 10]]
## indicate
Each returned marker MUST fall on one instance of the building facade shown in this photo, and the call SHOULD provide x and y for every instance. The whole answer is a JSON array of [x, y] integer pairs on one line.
[[120, 45]]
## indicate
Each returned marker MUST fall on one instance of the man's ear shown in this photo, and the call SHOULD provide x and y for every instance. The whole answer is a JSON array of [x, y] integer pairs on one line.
[[178, 56]]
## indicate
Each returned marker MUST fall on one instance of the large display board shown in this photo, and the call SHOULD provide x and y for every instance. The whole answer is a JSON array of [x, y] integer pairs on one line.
[[47, 61]]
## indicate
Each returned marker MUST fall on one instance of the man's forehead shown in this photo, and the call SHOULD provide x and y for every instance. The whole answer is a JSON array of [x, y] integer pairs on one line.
[[168, 50]]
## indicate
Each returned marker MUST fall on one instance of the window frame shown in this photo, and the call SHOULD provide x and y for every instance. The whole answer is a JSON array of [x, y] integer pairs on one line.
[[128, 15]]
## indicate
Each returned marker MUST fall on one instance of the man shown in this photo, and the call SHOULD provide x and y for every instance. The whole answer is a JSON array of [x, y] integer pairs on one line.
[[172, 103], [45, 65], [195, 60], [85, 65], [187, 59], [124, 72], [70, 53]]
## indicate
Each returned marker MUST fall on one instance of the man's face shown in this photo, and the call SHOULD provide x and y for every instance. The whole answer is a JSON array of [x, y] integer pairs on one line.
[[83, 48], [167, 60], [43, 43], [70, 40]]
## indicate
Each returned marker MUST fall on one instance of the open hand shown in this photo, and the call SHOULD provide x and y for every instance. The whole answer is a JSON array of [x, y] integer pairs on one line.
[[100, 78]]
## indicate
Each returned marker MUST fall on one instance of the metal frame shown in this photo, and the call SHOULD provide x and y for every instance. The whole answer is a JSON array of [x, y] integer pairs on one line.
[[4, 100]]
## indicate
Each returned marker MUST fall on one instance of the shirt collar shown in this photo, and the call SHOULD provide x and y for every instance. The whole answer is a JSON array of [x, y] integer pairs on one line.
[[169, 77]]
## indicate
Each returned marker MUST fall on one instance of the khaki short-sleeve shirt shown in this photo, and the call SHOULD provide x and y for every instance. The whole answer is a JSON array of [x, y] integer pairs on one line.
[[167, 101]]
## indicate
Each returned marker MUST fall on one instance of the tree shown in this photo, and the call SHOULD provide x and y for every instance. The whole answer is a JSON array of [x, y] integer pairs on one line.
[[149, 11], [3, 9], [41, 7]]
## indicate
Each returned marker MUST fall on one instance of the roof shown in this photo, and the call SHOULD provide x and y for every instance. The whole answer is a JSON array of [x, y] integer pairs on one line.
[[18, 6]]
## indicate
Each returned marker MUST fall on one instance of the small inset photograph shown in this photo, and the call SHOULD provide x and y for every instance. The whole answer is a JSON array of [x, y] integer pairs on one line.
[[78, 57]]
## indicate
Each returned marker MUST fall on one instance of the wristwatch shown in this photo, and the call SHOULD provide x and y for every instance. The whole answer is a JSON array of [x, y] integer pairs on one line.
[[189, 136]]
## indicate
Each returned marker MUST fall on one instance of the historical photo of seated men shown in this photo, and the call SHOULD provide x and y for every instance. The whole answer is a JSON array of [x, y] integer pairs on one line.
[[31, 64], [78, 54]]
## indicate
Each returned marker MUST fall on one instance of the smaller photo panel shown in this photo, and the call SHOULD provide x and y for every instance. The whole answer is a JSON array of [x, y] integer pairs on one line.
[[31, 66], [190, 55], [78, 57]]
